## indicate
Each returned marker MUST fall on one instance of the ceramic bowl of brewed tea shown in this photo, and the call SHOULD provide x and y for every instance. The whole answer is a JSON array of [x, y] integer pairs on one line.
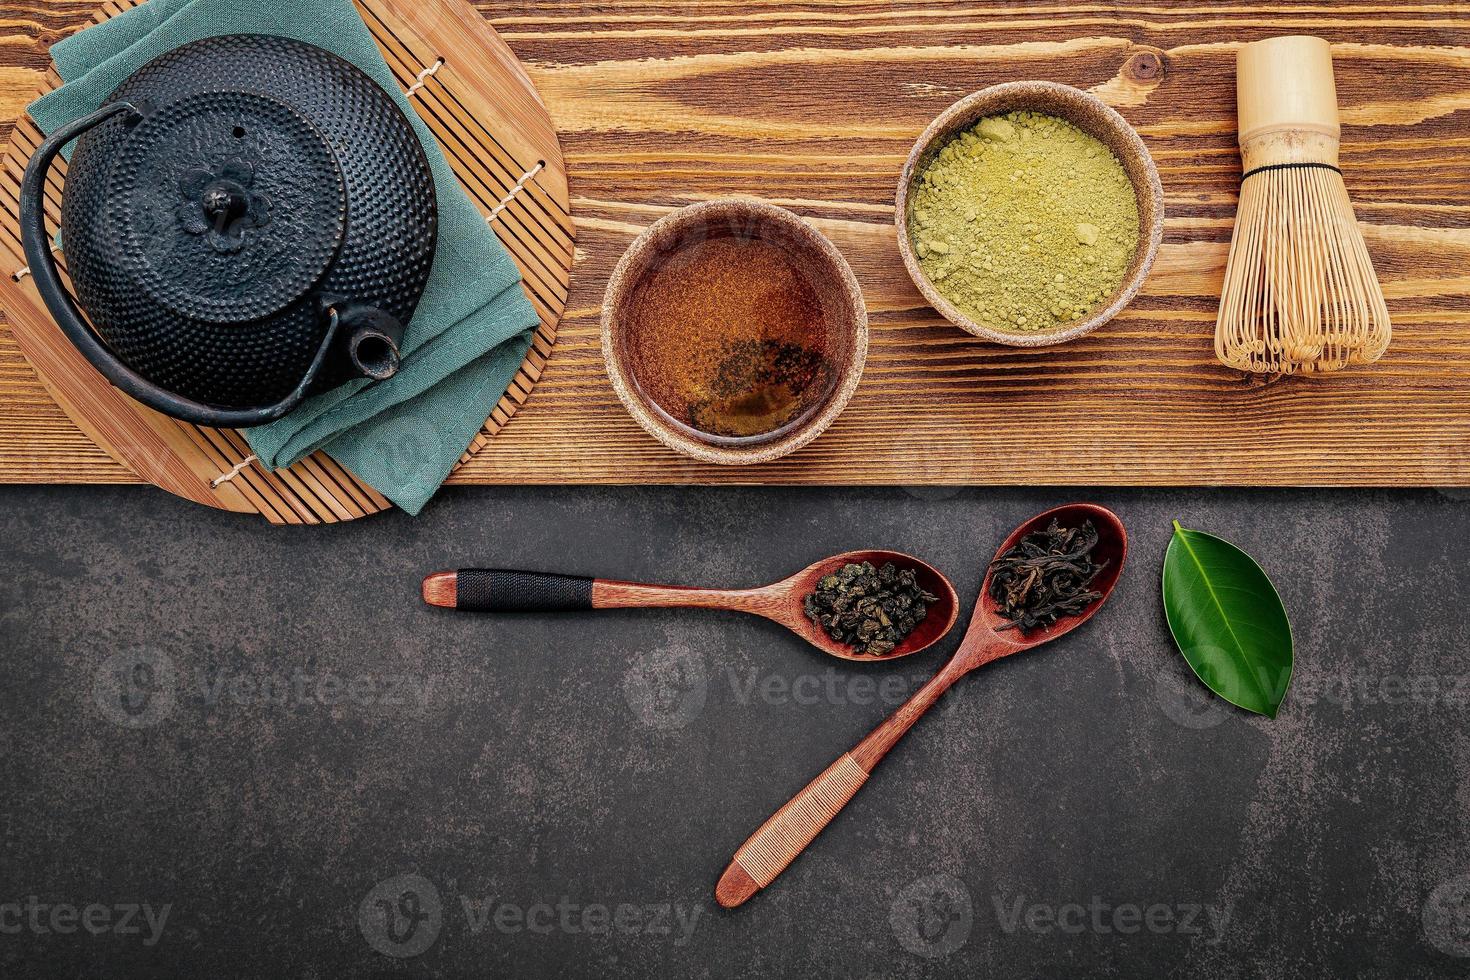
[[733, 331], [1093, 117]]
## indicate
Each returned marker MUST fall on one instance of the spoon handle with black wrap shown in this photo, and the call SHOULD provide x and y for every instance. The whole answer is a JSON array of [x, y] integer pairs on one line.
[[505, 590], [502, 590]]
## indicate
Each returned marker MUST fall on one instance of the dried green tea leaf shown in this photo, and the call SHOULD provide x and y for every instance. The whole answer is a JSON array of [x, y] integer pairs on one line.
[[870, 609]]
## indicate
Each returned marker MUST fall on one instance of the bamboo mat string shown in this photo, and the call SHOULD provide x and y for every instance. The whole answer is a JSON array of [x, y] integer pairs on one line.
[[25, 270], [234, 471], [418, 86], [423, 77], [520, 185]]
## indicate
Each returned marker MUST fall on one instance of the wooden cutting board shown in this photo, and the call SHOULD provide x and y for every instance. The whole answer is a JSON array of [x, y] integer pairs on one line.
[[814, 105]]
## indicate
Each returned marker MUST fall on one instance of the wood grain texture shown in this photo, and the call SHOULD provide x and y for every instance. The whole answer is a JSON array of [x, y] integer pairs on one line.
[[814, 105]]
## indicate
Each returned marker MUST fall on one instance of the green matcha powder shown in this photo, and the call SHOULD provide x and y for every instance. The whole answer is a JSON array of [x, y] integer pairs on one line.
[[1024, 222]]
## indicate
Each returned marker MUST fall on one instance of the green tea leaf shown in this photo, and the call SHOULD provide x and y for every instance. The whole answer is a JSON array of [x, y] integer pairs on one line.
[[1227, 620]]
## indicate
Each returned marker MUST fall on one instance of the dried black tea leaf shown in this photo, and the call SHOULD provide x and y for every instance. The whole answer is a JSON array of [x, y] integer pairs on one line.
[[1047, 575], [870, 609]]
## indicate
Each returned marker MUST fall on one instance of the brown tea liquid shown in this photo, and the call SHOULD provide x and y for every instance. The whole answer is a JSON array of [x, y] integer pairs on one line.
[[730, 338]]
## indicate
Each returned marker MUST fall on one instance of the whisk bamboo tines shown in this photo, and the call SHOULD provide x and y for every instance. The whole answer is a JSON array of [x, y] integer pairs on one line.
[[1300, 291]]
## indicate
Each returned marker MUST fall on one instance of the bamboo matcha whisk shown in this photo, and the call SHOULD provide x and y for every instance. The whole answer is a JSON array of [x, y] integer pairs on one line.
[[1300, 291]]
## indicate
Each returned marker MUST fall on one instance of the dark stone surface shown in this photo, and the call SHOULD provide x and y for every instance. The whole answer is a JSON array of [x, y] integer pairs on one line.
[[263, 730]]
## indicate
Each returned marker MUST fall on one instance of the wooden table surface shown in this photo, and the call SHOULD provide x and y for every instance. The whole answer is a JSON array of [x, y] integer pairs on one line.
[[814, 105]]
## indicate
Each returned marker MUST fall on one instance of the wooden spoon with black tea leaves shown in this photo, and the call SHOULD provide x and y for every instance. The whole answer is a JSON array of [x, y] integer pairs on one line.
[[502, 590], [783, 837]]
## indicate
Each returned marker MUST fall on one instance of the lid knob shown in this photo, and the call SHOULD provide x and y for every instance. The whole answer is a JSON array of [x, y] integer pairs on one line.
[[224, 201]]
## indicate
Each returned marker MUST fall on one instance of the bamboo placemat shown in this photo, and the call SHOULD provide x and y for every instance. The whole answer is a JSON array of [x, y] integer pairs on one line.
[[471, 91]]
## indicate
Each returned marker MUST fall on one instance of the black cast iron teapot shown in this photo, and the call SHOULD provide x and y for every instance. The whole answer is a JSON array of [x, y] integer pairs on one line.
[[247, 220]]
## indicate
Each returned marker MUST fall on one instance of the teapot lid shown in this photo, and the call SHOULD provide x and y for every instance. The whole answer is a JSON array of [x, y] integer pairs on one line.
[[228, 205]]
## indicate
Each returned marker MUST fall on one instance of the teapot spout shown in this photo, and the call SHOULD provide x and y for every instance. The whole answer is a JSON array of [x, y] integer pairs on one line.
[[373, 338]]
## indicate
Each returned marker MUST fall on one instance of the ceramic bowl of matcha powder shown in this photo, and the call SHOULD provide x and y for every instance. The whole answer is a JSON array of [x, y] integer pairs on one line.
[[1029, 214]]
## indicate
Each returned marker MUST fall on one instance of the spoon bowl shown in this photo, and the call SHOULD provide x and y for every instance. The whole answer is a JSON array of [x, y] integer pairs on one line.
[[501, 590], [934, 627], [987, 633]]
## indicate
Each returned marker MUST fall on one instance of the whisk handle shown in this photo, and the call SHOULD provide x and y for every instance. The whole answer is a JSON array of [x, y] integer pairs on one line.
[[1286, 84]]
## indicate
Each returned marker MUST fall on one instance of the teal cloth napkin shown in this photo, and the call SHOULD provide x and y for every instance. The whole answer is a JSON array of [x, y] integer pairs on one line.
[[473, 325]]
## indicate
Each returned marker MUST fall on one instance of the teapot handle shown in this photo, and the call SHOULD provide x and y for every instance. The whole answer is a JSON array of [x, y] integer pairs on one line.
[[69, 317]]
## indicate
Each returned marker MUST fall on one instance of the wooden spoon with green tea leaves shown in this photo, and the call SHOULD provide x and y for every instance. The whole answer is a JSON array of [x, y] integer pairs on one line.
[[991, 636], [784, 602]]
